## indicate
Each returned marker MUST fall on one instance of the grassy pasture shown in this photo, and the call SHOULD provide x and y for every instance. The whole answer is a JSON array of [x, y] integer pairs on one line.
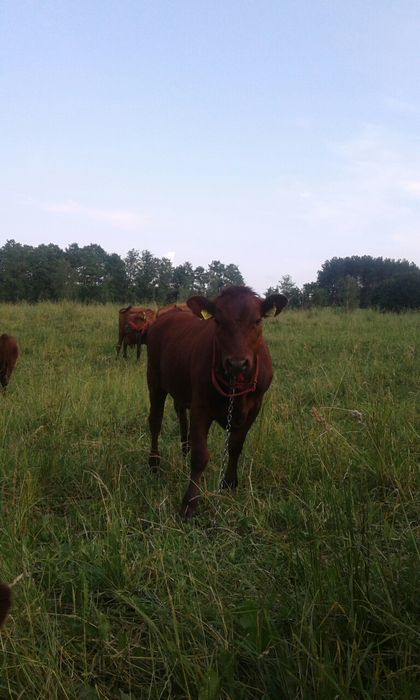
[[303, 585]]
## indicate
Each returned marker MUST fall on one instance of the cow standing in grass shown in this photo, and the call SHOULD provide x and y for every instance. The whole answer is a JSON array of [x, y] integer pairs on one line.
[[201, 364], [8, 357], [133, 323]]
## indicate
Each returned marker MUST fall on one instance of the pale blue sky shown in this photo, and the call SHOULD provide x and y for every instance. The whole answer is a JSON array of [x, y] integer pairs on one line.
[[272, 135]]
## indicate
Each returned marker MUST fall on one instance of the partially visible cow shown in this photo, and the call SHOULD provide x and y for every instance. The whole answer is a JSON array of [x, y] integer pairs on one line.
[[201, 364], [133, 323], [172, 307], [8, 356], [5, 602]]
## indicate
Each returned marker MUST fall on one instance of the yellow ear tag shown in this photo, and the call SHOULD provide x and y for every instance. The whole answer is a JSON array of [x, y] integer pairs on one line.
[[206, 314], [271, 312]]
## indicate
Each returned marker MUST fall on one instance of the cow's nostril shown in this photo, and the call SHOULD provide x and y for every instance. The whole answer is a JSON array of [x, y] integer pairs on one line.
[[236, 366]]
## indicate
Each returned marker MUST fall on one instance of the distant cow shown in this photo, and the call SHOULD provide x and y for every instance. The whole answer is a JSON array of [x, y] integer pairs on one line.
[[201, 364], [172, 307], [8, 356], [133, 323], [5, 601]]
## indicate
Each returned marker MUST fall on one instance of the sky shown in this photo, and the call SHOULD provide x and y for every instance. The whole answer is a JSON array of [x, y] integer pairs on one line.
[[271, 134]]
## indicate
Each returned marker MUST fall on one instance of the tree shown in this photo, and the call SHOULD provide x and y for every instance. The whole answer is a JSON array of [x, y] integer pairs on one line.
[[115, 279], [287, 287], [200, 280], [50, 273], [348, 292], [88, 264], [182, 282], [163, 283], [15, 271], [313, 295], [367, 271], [90, 274], [147, 277], [215, 278], [132, 269], [399, 293], [219, 275]]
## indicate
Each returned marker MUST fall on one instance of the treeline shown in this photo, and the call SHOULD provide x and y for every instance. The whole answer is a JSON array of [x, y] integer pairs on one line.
[[90, 274], [358, 282]]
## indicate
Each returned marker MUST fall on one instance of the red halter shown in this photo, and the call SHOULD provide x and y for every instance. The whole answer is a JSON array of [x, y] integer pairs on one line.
[[240, 385]]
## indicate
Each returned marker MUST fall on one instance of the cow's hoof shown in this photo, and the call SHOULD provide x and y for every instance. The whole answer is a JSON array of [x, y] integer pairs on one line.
[[154, 463], [188, 510]]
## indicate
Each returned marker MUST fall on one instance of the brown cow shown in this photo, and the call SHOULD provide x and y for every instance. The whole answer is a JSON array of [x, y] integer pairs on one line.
[[8, 356], [172, 307], [201, 364], [133, 322], [5, 601]]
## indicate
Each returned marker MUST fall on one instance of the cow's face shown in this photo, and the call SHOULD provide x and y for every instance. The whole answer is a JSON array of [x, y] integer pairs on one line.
[[237, 314]]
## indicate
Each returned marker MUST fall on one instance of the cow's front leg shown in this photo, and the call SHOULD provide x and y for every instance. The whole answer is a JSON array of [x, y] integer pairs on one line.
[[199, 458], [138, 352], [236, 443]]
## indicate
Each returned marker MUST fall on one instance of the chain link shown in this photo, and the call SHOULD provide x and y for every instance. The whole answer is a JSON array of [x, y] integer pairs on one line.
[[227, 437]]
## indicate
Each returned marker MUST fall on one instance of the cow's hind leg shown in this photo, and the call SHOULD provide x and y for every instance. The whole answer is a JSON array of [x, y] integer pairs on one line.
[[124, 349], [138, 352], [157, 405], [184, 428]]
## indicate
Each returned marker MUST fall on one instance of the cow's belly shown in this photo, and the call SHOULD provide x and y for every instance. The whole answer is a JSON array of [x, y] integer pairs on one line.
[[176, 381]]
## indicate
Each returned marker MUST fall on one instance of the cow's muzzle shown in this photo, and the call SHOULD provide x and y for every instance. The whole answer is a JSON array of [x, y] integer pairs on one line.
[[234, 367]]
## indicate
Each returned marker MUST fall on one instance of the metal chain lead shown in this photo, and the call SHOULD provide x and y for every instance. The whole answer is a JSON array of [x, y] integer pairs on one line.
[[227, 437]]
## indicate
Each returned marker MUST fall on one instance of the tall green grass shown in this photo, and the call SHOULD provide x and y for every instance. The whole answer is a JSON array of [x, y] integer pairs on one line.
[[303, 585]]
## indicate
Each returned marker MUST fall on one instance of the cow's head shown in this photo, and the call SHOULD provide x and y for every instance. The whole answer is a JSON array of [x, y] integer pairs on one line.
[[237, 314]]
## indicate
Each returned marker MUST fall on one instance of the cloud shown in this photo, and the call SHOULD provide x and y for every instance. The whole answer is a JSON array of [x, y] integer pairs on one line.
[[412, 187], [118, 218], [364, 200]]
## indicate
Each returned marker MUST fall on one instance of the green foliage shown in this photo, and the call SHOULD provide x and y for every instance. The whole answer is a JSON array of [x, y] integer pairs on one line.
[[366, 272], [89, 274], [302, 585], [348, 292], [399, 293], [287, 287]]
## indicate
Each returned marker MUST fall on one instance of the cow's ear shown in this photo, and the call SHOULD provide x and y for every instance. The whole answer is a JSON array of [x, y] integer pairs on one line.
[[201, 307], [272, 305]]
